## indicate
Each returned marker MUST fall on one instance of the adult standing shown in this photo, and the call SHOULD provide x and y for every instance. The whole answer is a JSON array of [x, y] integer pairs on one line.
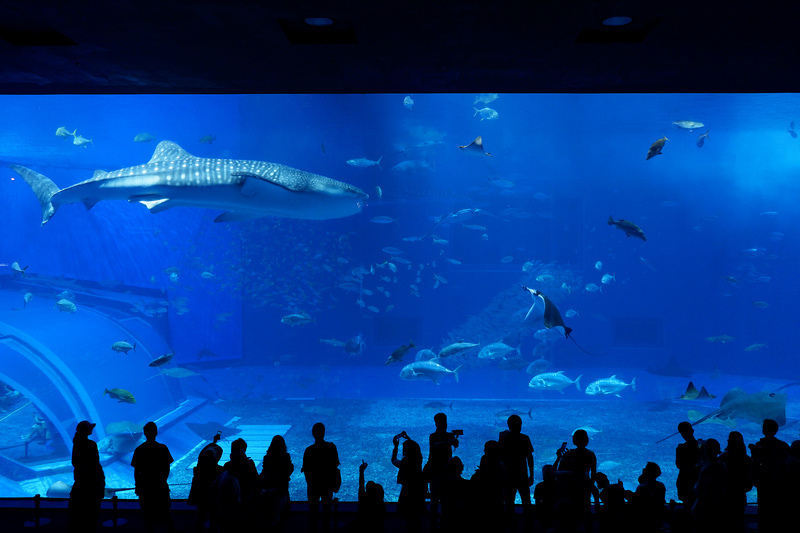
[[518, 459], [321, 469], [442, 443], [90, 481], [150, 464]]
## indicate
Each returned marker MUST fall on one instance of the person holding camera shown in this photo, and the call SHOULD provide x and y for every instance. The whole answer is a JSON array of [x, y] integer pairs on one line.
[[442, 443], [411, 502]]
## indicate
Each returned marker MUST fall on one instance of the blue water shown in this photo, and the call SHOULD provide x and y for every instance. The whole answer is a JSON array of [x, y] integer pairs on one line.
[[719, 258]]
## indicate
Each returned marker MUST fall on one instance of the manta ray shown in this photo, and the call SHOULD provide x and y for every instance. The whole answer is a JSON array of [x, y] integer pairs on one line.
[[551, 316], [754, 407], [242, 189]]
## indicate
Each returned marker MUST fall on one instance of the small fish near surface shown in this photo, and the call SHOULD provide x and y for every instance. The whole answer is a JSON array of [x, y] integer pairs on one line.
[[487, 113], [655, 148], [243, 190], [630, 229], [475, 147], [297, 319], [611, 385], [163, 360], [702, 139], [63, 132], [690, 125], [399, 353], [122, 395], [123, 346], [408, 102]]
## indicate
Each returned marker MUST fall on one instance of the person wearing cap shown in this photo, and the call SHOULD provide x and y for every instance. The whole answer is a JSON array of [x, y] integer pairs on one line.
[[150, 464], [90, 481]]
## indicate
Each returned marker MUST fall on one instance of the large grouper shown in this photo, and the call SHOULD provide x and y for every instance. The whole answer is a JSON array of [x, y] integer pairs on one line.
[[242, 189]]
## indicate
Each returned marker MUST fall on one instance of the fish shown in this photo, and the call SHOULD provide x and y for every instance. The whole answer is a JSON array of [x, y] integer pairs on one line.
[[554, 381], [332, 342], [382, 220], [655, 148], [66, 306], [760, 304], [485, 98], [438, 405], [297, 319], [391, 250], [122, 395], [630, 229], [724, 339], [425, 354], [162, 360], [487, 113], [179, 372], [144, 138], [598, 265], [207, 139], [508, 411], [399, 353], [363, 162], [355, 345], [27, 298], [690, 125], [205, 352], [427, 370], [538, 366], [702, 139], [244, 190], [63, 132], [456, 348], [551, 316], [80, 140], [591, 287], [607, 278], [611, 385], [496, 350], [16, 269], [475, 147], [378, 192], [207, 275], [123, 346], [120, 443], [408, 102], [790, 130], [571, 313], [755, 347]]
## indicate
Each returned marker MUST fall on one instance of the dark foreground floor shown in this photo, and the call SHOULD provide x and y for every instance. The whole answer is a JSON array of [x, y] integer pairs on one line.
[[19, 515]]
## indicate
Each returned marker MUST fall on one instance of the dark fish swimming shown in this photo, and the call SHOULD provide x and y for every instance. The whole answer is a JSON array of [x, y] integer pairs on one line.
[[399, 353], [475, 147], [163, 360], [552, 316], [702, 139], [630, 229], [655, 148], [355, 345]]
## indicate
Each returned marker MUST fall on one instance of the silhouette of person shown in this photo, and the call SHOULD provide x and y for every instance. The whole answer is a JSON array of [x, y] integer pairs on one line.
[[518, 460], [647, 503], [579, 466], [740, 481], [90, 481], [546, 495], [321, 469], [442, 443], [276, 471], [687, 459], [237, 488], [204, 474], [455, 498], [710, 490], [150, 464], [371, 504], [612, 516], [770, 462], [411, 501], [488, 486]]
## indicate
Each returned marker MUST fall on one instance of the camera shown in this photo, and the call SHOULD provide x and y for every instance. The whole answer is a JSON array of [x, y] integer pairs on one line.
[[458, 432]]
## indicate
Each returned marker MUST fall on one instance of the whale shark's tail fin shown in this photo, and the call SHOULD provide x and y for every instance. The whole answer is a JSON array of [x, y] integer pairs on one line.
[[42, 186]]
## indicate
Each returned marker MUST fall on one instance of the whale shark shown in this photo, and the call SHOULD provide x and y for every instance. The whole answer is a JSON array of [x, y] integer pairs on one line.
[[242, 189]]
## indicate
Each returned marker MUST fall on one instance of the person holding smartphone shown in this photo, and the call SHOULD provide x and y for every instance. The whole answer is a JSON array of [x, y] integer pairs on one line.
[[411, 502]]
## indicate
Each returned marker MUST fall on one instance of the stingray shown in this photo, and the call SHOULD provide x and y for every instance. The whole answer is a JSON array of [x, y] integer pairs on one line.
[[207, 430], [551, 316], [476, 147], [754, 407]]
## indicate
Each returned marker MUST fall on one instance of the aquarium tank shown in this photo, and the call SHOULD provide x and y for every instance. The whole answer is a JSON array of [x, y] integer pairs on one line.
[[254, 264]]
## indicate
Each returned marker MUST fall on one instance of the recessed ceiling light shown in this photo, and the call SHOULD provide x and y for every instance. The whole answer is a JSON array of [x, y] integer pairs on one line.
[[617, 21], [318, 21]]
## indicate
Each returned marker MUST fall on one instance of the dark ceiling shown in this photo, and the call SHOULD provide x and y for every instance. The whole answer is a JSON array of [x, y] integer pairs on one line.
[[209, 46]]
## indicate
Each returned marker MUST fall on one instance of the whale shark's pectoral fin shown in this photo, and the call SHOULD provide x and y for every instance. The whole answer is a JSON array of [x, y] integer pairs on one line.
[[155, 206], [89, 203], [291, 181], [237, 216]]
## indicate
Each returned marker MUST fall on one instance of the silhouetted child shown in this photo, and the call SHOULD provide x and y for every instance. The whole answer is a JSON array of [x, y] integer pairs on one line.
[[576, 469], [411, 501], [204, 474], [150, 464], [455, 498], [612, 516], [546, 495], [371, 504], [90, 481], [321, 469]]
